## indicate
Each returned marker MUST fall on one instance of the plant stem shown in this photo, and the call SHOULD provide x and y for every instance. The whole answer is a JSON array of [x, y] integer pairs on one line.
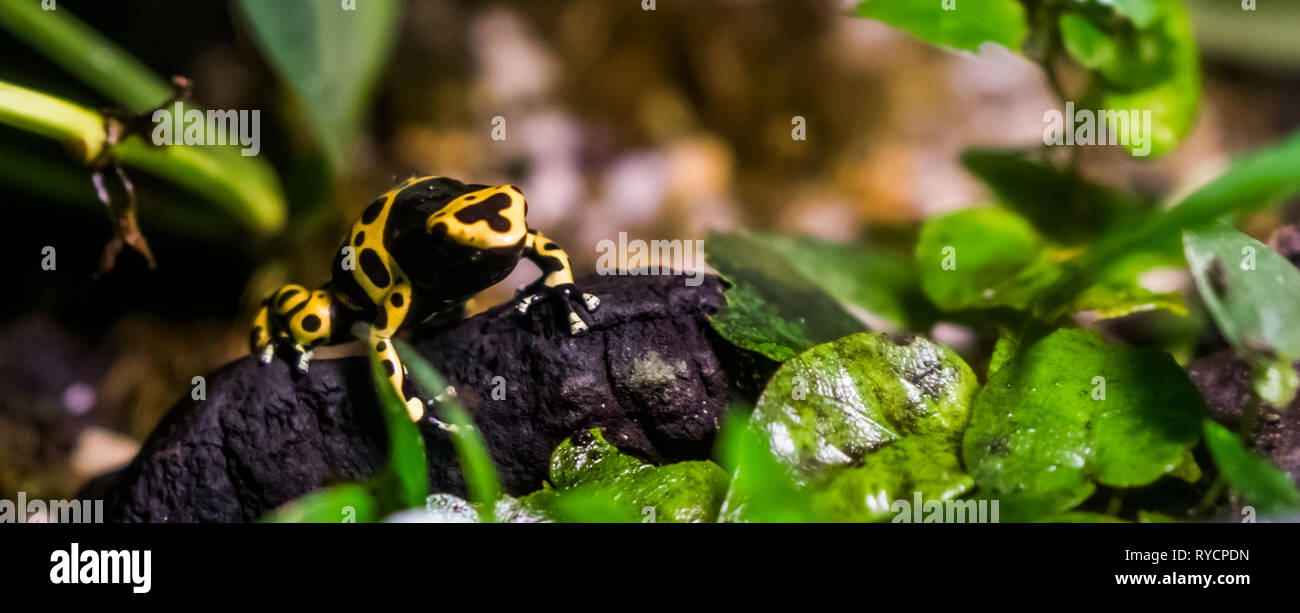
[[87, 54], [81, 129], [245, 188]]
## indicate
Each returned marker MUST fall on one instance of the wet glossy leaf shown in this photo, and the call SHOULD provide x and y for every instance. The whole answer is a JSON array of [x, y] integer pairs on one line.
[[1258, 481], [915, 464], [680, 492], [835, 403], [971, 24], [1252, 293], [1071, 411], [761, 489], [771, 307]]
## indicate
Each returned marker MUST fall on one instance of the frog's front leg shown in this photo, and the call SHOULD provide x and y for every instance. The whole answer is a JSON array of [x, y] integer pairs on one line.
[[556, 281], [391, 315]]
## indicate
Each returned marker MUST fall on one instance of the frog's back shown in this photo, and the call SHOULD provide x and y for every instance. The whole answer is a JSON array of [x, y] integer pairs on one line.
[[386, 228]]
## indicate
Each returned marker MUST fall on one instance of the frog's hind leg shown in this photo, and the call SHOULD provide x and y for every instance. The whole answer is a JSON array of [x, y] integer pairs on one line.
[[298, 316], [259, 341], [391, 315]]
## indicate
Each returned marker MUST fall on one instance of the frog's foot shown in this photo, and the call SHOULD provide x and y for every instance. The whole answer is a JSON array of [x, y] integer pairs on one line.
[[304, 357], [267, 353], [415, 409], [565, 294]]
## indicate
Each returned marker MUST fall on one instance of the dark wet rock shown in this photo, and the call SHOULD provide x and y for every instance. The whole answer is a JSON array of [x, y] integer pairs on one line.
[[646, 373]]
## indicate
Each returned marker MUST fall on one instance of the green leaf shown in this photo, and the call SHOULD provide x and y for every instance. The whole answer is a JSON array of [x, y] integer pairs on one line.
[[681, 492], [1072, 411], [761, 491], [405, 480], [1117, 300], [1148, 65], [1143, 13], [1060, 204], [329, 57], [347, 503], [924, 465], [1257, 480], [590, 505], [837, 402], [1081, 517], [85, 53], [983, 258], [882, 283], [1262, 179], [970, 24], [771, 307], [1125, 57], [475, 460], [1251, 292]]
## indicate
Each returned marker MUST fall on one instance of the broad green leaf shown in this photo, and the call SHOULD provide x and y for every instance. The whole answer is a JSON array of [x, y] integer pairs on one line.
[[880, 282], [347, 503], [983, 258], [1060, 204], [834, 404], [771, 307], [970, 24], [761, 491], [1071, 411], [924, 465], [680, 492], [475, 460], [1252, 293], [329, 57], [1257, 480]]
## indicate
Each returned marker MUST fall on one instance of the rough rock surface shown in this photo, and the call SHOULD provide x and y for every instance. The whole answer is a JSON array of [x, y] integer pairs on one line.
[[646, 372]]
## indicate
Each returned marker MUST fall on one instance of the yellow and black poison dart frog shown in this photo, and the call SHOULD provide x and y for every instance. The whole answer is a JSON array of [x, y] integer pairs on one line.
[[419, 251]]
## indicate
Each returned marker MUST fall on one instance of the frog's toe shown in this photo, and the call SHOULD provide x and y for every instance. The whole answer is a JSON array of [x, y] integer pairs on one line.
[[267, 353], [526, 303], [415, 408], [304, 359], [590, 301], [576, 325]]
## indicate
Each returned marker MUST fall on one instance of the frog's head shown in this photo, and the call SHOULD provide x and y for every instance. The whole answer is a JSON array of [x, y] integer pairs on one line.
[[486, 219]]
